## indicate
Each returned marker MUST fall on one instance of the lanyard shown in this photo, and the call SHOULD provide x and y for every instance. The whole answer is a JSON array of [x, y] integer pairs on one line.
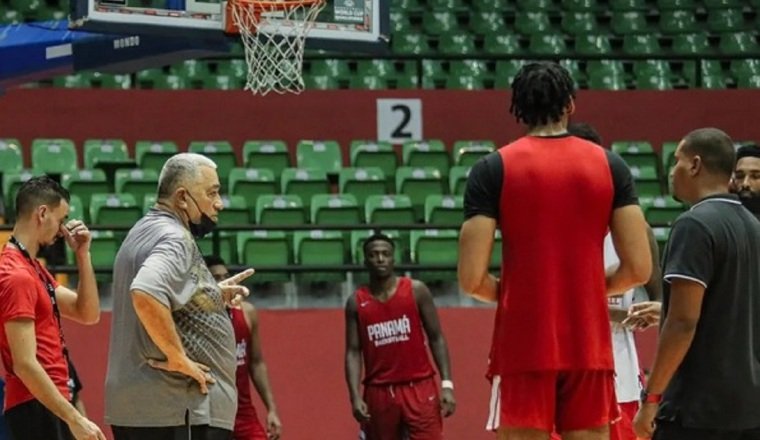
[[48, 287]]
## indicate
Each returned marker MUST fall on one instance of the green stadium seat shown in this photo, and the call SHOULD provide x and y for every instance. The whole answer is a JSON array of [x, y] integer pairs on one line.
[[435, 246], [280, 210], [534, 5], [105, 150], [462, 82], [444, 210], [304, 182], [107, 81], [580, 5], [607, 82], [646, 181], [528, 23], [227, 246], [629, 22], [320, 82], [458, 179], [11, 16], [665, 5], [380, 154], [236, 68], [405, 5], [103, 249], [148, 202], [138, 182], [487, 22], [579, 23], [501, 44], [628, 5], [472, 68], [222, 82], [661, 235], [738, 43], [466, 153], [75, 81], [389, 209], [418, 183], [456, 43], [426, 153], [152, 155], [85, 183], [221, 153], [319, 248], [367, 82], [636, 153], [250, 183], [547, 44], [641, 44], [593, 44], [399, 21], [12, 180], [271, 154], [653, 82], [439, 22], [691, 44], [713, 82], [331, 67], [192, 70], [663, 211], [149, 78], [236, 211], [76, 209], [114, 209], [437, 5], [362, 182], [381, 68], [335, 209], [667, 159], [11, 158], [434, 72], [171, 82], [678, 21], [409, 43], [745, 68], [725, 20], [54, 156], [262, 250], [718, 4], [324, 155], [491, 5], [748, 82]]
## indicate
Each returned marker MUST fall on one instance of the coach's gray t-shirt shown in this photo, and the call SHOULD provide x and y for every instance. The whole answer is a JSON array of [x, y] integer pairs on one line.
[[160, 257]]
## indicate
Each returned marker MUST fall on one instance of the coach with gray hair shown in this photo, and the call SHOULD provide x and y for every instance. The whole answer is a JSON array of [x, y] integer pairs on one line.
[[172, 359]]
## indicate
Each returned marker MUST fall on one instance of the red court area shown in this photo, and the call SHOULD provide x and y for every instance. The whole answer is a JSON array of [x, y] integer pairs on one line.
[[304, 353]]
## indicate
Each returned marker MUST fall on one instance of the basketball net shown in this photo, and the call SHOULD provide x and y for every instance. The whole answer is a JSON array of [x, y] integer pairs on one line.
[[273, 35]]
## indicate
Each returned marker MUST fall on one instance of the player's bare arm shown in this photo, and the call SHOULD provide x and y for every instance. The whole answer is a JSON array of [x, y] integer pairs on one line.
[[353, 362], [437, 341], [258, 372], [82, 305], [475, 245], [629, 236], [675, 339], [23, 348], [158, 323]]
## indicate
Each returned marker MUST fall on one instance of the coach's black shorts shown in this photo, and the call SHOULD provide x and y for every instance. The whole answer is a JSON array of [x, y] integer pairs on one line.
[[667, 430], [32, 421]]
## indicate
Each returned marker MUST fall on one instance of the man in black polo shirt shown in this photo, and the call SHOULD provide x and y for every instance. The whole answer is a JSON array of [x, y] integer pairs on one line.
[[746, 179], [706, 374]]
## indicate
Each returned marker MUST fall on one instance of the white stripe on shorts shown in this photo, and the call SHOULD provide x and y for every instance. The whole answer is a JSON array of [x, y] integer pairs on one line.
[[494, 406]]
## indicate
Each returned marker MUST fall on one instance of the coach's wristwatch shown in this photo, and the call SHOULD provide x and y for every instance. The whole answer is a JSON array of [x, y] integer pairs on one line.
[[650, 398]]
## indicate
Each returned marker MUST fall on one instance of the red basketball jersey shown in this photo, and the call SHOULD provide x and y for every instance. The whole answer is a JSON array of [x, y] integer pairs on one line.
[[556, 202], [394, 345], [247, 425]]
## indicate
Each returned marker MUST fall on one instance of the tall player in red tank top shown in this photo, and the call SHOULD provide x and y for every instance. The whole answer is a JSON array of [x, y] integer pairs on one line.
[[250, 366], [554, 197], [386, 327]]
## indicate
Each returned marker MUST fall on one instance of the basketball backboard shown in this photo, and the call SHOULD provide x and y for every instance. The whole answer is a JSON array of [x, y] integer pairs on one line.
[[351, 25]]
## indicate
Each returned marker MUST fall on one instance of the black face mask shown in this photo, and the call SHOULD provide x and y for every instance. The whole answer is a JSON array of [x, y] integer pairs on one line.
[[204, 226]]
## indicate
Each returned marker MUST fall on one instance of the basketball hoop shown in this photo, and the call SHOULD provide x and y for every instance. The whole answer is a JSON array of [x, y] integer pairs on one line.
[[273, 34]]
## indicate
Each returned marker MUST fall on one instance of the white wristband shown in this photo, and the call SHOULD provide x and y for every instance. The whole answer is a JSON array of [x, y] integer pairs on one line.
[[447, 384]]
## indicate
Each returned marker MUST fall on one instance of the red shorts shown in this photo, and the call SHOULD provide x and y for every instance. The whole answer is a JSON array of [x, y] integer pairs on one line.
[[248, 427], [622, 429], [567, 400], [413, 408]]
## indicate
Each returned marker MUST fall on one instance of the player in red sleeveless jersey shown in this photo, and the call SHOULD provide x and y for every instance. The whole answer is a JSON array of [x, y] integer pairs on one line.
[[554, 197], [250, 366], [386, 327]]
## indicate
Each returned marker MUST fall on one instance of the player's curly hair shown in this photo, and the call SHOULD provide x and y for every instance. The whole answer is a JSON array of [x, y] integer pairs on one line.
[[540, 93]]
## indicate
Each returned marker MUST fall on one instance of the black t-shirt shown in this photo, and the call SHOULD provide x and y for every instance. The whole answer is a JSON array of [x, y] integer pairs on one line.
[[717, 386], [484, 185]]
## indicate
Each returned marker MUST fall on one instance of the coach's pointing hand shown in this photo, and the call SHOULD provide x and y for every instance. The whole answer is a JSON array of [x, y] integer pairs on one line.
[[232, 292]]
